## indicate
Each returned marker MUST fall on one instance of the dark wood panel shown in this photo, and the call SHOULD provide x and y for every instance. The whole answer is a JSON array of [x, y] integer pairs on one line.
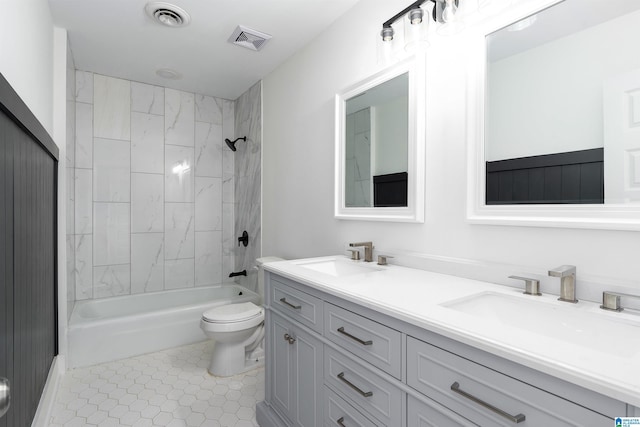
[[592, 181], [574, 177], [390, 190], [34, 274], [6, 255], [28, 255]]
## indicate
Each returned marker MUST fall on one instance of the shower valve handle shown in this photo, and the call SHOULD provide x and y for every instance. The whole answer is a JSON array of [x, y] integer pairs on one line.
[[244, 239]]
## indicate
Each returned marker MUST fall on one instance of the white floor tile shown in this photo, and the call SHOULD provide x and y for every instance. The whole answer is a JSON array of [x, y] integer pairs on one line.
[[167, 388]]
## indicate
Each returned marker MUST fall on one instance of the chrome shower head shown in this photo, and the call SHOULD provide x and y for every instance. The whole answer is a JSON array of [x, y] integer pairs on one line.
[[232, 144]]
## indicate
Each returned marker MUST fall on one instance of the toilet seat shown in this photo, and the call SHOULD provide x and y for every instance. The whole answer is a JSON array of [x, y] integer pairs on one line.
[[232, 313], [232, 317]]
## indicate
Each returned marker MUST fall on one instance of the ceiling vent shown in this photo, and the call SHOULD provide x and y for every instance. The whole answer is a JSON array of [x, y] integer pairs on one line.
[[251, 39], [167, 14]]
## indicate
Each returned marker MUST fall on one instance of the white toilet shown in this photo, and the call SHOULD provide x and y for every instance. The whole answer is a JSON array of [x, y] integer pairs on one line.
[[237, 331]]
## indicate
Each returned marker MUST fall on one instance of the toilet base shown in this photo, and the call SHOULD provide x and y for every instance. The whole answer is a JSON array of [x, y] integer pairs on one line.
[[227, 361]]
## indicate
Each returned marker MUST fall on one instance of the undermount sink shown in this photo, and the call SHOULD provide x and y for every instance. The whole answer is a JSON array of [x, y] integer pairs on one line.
[[339, 267], [558, 320]]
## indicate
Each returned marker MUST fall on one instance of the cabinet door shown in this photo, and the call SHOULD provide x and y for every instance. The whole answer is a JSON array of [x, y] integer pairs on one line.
[[420, 414], [296, 372], [307, 378], [281, 363]]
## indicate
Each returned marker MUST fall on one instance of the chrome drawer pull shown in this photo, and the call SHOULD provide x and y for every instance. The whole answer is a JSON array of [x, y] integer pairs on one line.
[[340, 422], [295, 307], [455, 387], [341, 330], [353, 386], [289, 338]]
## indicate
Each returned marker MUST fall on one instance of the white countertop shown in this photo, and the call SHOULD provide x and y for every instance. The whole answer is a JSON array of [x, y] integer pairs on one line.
[[415, 296]]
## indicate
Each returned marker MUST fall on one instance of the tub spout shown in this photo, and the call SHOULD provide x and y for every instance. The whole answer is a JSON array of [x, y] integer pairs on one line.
[[238, 273]]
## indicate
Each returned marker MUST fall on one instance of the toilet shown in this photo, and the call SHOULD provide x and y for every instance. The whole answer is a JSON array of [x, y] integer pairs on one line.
[[237, 331]]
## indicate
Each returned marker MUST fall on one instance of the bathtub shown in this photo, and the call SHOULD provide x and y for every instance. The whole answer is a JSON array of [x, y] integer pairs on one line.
[[103, 330]]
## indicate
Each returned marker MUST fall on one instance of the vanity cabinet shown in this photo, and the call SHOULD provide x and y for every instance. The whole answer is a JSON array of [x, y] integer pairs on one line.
[[334, 362]]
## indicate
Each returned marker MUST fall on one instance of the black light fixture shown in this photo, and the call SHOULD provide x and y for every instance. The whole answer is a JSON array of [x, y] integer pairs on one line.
[[443, 12]]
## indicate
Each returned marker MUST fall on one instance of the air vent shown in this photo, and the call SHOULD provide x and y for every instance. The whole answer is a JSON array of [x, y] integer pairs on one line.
[[251, 39], [167, 14]]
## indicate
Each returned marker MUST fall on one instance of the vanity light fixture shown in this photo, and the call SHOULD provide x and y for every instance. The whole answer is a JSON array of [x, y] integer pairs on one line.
[[443, 12]]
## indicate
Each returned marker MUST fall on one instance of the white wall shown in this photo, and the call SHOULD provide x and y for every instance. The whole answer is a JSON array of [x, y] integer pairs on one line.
[[391, 136], [298, 164], [545, 100], [26, 55]]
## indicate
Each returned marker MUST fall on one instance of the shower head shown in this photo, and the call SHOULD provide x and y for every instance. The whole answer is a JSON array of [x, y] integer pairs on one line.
[[232, 144]]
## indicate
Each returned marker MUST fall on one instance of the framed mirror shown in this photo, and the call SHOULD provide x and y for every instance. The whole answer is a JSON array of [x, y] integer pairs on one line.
[[556, 129], [379, 141]]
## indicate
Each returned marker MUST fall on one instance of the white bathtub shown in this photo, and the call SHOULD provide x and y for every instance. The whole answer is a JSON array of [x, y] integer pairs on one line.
[[102, 330]]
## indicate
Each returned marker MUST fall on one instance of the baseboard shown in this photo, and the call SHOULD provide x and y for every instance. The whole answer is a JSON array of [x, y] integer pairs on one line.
[[266, 416], [48, 398]]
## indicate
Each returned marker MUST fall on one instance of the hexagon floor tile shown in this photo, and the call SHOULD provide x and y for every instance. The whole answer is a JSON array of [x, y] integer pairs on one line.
[[169, 388]]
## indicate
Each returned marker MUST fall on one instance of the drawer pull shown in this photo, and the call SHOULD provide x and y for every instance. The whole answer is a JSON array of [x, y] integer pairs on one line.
[[353, 386], [340, 422], [342, 331], [455, 387], [295, 307], [289, 338]]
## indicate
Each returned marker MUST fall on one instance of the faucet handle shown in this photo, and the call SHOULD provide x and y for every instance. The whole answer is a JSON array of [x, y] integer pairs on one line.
[[382, 259], [355, 254], [611, 300], [531, 286]]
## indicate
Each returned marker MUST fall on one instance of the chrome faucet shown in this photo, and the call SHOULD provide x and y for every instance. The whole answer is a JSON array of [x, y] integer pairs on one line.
[[567, 275], [368, 249]]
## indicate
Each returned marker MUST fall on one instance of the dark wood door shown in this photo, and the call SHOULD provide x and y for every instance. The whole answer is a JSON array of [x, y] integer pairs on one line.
[[28, 318]]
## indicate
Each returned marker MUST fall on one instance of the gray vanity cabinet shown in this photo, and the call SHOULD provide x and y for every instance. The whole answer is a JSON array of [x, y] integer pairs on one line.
[[296, 367], [333, 362]]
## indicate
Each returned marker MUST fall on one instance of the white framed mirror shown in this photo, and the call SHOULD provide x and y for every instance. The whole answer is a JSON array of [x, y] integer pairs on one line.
[[380, 146], [554, 116]]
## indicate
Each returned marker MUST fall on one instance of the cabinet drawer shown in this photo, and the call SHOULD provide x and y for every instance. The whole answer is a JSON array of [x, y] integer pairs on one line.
[[421, 414], [481, 393], [369, 340], [337, 412], [298, 305], [375, 395]]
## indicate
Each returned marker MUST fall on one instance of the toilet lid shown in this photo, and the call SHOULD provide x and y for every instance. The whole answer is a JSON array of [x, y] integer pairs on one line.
[[232, 312]]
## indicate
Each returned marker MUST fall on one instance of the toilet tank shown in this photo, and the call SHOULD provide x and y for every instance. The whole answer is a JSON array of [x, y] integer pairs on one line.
[[259, 263]]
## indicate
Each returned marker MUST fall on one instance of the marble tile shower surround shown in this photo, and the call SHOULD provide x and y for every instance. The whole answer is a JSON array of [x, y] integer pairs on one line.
[[248, 121], [153, 196], [358, 189]]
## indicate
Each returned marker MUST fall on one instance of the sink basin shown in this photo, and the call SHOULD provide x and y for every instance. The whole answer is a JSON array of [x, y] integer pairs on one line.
[[594, 330], [339, 267]]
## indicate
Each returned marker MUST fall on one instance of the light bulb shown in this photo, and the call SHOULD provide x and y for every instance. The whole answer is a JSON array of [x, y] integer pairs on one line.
[[449, 11], [387, 34]]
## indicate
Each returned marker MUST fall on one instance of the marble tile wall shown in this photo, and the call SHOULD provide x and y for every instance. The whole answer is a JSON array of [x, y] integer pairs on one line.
[[248, 122], [358, 182], [153, 197]]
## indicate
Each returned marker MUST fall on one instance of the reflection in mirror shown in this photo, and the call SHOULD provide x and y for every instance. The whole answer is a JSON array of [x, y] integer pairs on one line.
[[376, 140], [562, 109], [380, 145]]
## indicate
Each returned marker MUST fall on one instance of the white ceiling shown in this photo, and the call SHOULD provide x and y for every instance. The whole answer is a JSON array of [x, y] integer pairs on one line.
[[117, 38]]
